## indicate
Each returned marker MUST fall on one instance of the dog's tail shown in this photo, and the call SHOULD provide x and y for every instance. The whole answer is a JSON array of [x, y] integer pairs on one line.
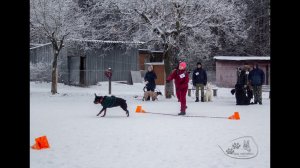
[[158, 92], [232, 91]]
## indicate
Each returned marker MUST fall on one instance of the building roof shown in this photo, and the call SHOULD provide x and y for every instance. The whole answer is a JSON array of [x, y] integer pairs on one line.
[[33, 45], [107, 41], [240, 58]]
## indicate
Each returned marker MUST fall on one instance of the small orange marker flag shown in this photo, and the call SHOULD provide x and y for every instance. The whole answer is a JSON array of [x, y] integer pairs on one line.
[[41, 143]]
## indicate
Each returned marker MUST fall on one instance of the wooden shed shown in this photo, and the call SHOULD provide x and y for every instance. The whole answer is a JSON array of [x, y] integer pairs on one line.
[[154, 58], [159, 69], [87, 67], [226, 67], [83, 66]]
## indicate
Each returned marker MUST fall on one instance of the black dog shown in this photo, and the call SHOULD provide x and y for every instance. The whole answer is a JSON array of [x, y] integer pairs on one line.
[[242, 95], [109, 102]]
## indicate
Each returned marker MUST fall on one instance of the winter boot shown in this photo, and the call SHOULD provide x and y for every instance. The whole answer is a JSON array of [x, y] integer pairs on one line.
[[202, 99], [181, 113], [197, 99]]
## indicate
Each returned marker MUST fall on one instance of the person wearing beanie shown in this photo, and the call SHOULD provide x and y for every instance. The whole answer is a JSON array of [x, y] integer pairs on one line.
[[256, 79], [181, 78], [199, 81]]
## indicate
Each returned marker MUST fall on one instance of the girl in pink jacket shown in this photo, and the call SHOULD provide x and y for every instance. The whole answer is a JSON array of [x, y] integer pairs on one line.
[[181, 78]]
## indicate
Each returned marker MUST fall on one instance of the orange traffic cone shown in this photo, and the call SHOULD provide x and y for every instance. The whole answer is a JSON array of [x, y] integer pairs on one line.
[[41, 143], [235, 116], [139, 109]]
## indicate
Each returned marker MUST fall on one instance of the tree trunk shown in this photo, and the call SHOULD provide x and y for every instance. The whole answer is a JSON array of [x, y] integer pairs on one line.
[[54, 73], [169, 89]]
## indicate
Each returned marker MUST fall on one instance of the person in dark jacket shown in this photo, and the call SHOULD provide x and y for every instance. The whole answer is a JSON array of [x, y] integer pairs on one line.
[[149, 78], [243, 91], [199, 81], [181, 78], [256, 79], [242, 77]]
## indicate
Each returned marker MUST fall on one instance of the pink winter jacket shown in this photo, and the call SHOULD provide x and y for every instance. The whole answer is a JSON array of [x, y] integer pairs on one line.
[[181, 78]]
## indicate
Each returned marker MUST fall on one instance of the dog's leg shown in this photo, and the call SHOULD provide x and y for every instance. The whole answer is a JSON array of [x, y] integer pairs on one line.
[[146, 95], [153, 96], [124, 107], [100, 111], [104, 113]]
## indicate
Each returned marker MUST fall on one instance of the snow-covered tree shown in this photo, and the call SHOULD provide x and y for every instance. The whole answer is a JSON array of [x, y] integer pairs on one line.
[[189, 30], [258, 21], [184, 29], [55, 20]]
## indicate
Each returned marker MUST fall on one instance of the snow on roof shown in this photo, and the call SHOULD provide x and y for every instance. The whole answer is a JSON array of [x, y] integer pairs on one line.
[[153, 51], [157, 51], [103, 41], [38, 45], [155, 63], [239, 58]]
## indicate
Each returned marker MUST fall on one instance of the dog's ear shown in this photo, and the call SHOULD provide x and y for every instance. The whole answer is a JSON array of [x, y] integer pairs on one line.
[[95, 95]]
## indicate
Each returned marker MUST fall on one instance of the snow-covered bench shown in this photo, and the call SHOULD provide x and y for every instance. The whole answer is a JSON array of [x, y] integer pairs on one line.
[[266, 88], [215, 90]]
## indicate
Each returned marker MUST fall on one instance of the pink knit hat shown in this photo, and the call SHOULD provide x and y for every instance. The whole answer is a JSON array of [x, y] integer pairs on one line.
[[183, 65]]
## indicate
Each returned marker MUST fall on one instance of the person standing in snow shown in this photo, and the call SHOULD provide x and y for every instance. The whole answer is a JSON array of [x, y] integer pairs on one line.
[[181, 78], [256, 79], [242, 75], [149, 78], [199, 81], [243, 88]]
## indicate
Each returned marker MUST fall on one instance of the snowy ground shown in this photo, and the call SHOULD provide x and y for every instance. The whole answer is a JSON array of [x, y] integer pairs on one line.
[[79, 139]]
